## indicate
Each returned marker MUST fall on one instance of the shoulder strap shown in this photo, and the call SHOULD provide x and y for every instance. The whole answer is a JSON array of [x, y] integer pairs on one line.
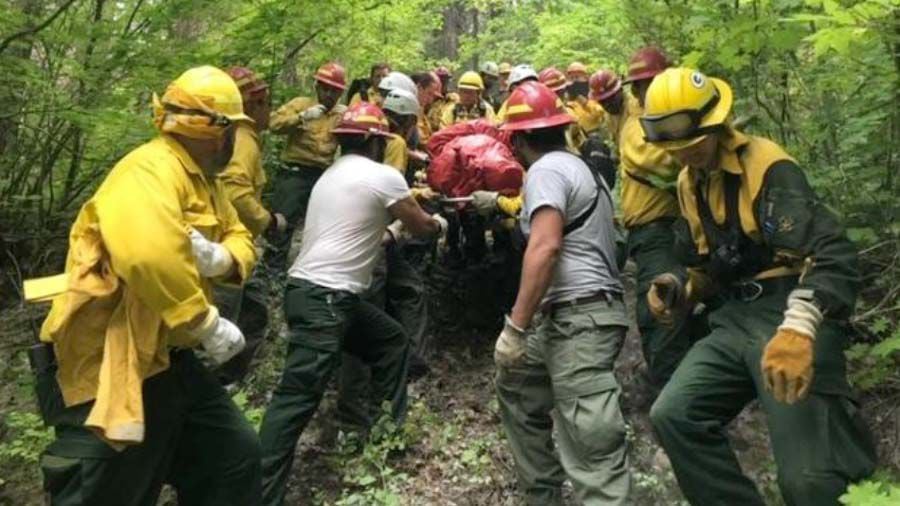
[[582, 218]]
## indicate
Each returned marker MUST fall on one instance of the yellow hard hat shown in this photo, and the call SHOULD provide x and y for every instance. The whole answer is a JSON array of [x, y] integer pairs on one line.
[[505, 67], [215, 88], [682, 106], [199, 104], [470, 81]]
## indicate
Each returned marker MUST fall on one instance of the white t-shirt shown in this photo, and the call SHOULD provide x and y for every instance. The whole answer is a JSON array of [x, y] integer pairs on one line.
[[345, 221]]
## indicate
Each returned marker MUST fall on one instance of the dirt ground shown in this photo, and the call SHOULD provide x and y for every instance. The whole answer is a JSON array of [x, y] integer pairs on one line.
[[454, 451]]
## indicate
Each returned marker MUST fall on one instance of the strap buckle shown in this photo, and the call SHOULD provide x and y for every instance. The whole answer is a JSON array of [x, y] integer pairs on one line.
[[748, 291]]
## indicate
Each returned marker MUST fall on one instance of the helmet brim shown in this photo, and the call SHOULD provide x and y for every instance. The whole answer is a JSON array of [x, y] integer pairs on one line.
[[647, 74], [333, 84], [533, 124], [355, 131]]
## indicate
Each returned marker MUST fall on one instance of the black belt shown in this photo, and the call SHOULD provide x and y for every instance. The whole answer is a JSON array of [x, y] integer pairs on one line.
[[753, 289], [601, 296]]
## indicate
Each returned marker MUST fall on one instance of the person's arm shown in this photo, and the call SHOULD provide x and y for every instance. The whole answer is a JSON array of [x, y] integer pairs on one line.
[[796, 223], [447, 115], [237, 240], [541, 255], [238, 186], [416, 220], [287, 117]]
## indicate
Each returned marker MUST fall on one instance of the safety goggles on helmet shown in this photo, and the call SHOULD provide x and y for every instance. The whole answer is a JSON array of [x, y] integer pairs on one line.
[[679, 125]]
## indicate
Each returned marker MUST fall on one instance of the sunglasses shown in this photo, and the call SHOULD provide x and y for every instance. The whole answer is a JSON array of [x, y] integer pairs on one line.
[[679, 125]]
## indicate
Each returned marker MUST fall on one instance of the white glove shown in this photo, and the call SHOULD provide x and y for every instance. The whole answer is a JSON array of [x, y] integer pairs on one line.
[[279, 223], [212, 258], [398, 232], [442, 223], [314, 112], [485, 202], [510, 348], [220, 338]]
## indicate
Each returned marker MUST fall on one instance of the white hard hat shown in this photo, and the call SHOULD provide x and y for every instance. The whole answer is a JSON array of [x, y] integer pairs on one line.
[[522, 72], [397, 81], [401, 102], [490, 68]]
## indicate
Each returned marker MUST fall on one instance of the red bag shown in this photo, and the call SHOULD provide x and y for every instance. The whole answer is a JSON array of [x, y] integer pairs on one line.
[[475, 162], [480, 126]]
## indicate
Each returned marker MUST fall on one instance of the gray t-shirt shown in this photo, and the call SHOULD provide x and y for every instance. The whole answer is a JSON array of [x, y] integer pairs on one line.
[[586, 264]]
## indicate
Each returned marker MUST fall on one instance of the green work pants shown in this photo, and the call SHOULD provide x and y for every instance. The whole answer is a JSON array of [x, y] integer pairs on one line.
[[820, 444], [568, 371], [321, 324], [196, 440], [398, 288], [651, 248], [248, 307], [292, 187]]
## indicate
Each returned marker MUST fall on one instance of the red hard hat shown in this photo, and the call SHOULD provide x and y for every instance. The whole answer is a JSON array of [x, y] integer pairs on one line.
[[646, 63], [247, 82], [333, 75], [442, 72], [553, 78], [533, 105], [437, 79], [363, 118], [604, 84]]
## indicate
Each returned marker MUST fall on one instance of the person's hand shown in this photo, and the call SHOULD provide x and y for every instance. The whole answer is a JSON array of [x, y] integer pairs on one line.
[[212, 258], [278, 224], [425, 194], [509, 351], [666, 298], [442, 224], [787, 361], [312, 113], [787, 365], [419, 156], [485, 202], [220, 338], [396, 232]]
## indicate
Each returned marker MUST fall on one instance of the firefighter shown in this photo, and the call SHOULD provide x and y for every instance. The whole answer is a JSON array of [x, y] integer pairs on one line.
[[471, 104], [759, 239], [310, 148]]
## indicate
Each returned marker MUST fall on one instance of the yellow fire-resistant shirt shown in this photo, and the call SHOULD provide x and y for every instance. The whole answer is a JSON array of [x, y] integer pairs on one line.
[[309, 143], [373, 96], [588, 113], [648, 173], [396, 154], [452, 114], [132, 279], [244, 179]]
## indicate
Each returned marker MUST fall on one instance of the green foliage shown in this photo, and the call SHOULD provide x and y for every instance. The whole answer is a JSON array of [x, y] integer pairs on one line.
[[875, 492], [876, 365], [25, 438], [369, 476], [254, 414]]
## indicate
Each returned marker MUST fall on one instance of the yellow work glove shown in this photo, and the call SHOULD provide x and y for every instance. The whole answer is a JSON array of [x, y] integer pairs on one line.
[[787, 361], [509, 351], [666, 298]]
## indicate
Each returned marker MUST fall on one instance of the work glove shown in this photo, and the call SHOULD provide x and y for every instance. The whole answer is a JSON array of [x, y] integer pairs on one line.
[[314, 112], [666, 298], [213, 259], [396, 233], [424, 194], [509, 351], [221, 339], [420, 176], [442, 224], [787, 362], [485, 202]]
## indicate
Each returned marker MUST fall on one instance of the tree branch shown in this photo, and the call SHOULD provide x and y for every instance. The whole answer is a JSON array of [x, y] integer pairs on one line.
[[35, 29]]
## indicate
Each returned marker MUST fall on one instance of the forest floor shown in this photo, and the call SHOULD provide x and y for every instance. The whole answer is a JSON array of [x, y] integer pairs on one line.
[[452, 450]]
